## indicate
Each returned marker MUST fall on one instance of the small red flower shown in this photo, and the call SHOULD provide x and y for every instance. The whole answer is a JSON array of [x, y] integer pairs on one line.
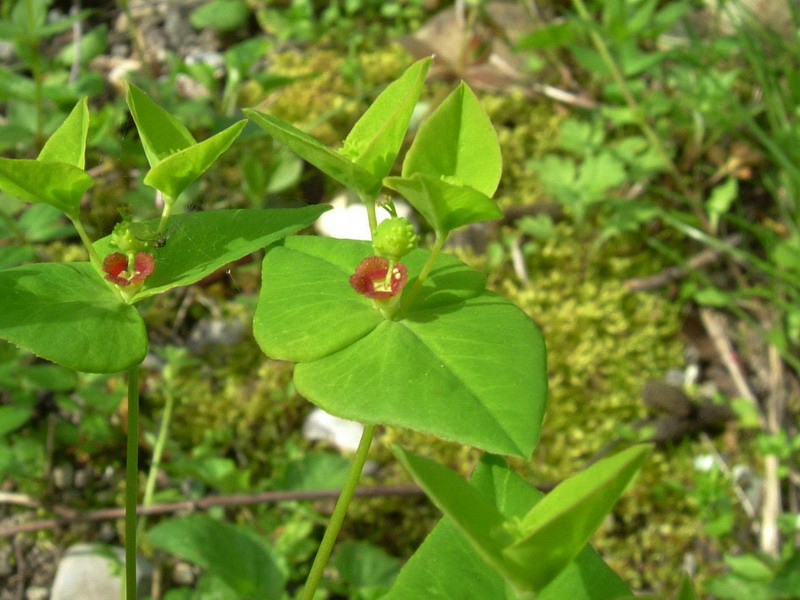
[[116, 263], [370, 278]]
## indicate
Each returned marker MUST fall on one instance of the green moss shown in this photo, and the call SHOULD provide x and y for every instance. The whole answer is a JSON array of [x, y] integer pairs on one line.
[[325, 102]]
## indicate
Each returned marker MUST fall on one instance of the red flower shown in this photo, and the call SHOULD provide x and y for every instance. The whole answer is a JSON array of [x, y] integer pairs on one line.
[[370, 278], [116, 263]]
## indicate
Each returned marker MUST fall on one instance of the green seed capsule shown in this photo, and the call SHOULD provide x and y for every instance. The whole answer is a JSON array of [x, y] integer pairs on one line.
[[394, 238]]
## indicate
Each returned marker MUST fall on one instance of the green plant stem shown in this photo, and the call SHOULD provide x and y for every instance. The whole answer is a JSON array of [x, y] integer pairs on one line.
[[165, 213], [158, 452], [131, 482], [93, 256], [339, 512], [372, 215], [423, 274]]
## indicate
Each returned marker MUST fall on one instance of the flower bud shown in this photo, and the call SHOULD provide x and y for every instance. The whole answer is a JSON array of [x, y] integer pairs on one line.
[[394, 238]]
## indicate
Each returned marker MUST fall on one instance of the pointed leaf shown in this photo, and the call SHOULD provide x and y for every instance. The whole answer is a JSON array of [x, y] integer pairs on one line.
[[375, 139], [161, 133], [445, 566], [444, 206], [237, 557], [176, 172], [68, 142], [55, 183], [558, 527], [457, 350], [66, 313], [476, 518], [200, 243], [459, 142], [326, 160]]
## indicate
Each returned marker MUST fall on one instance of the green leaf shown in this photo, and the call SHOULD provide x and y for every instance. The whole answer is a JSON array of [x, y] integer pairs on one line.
[[475, 517], [240, 559], [161, 133], [549, 36], [326, 160], [459, 142], [446, 567], [68, 142], [362, 565], [686, 591], [13, 417], [222, 15], [462, 363], [56, 183], [91, 44], [67, 314], [558, 527], [177, 171], [375, 139], [316, 471], [199, 243], [445, 206]]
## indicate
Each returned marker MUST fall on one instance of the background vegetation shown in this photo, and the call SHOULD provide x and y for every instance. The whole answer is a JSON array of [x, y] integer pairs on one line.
[[651, 194]]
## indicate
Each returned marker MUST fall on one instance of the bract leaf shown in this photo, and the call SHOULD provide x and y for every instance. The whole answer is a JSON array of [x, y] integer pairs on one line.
[[68, 142], [445, 206], [375, 139], [558, 527], [326, 160], [200, 243], [177, 171], [446, 567], [66, 313], [449, 366], [459, 142], [161, 133], [242, 561], [55, 183]]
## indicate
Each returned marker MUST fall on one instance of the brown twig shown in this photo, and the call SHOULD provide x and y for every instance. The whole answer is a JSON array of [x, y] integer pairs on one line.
[[105, 514], [670, 274]]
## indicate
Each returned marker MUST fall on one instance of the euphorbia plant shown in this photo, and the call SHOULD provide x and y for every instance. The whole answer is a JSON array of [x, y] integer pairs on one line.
[[386, 333], [382, 332], [83, 315]]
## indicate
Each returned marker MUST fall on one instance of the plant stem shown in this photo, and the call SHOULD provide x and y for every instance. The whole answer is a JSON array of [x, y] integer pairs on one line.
[[131, 482], [165, 212], [158, 452], [339, 512], [423, 274], [371, 214], [93, 256]]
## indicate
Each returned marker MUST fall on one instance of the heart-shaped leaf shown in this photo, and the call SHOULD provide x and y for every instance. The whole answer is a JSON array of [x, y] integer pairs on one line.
[[161, 133], [375, 139], [66, 313], [242, 561], [457, 141], [326, 160], [558, 527], [68, 142], [199, 243], [444, 206], [178, 170], [461, 363], [446, 567], [55, 183]]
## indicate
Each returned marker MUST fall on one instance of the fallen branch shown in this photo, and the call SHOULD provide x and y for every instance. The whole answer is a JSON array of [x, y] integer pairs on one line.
[[105, 514], [670, 274]]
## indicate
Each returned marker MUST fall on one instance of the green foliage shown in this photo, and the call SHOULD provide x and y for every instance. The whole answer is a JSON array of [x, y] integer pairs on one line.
[[465, 320], [495, 485], [220, 548]]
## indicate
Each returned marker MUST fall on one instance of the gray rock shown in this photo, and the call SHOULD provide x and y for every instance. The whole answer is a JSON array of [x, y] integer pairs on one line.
[[36, 593], [87, 571]]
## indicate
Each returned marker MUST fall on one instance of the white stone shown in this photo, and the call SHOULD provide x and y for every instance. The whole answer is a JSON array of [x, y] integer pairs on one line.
[[86, 572], [342, 433], [348, 218]]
